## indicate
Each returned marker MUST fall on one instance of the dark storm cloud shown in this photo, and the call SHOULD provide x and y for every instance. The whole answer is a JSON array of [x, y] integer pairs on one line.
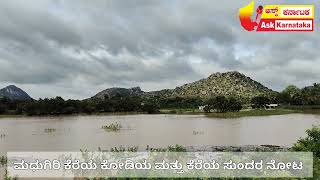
[[75, 48]]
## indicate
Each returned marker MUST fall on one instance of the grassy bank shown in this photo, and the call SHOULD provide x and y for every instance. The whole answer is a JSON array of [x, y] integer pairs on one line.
[[305, 109], [180, 111], [243, 113], [248, 112], [257, 112]]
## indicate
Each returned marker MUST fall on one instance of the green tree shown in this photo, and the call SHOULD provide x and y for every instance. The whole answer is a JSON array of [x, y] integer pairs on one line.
[[311, 144], [291, 90], [291, 95], [150, 108], [4, 103], [311, 94], [222, 104], [297, 99], [234, 105], [218, 103], [259, 101], [2, 108], [283, 98], [207, 109]]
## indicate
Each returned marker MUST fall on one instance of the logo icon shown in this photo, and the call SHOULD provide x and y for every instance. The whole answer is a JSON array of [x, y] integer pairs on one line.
[[277, 17]]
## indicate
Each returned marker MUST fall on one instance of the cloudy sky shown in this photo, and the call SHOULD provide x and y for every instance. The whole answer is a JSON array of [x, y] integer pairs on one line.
[[75, 48]]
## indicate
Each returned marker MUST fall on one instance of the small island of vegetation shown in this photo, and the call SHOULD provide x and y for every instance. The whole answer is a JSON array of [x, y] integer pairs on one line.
[[113, 127]]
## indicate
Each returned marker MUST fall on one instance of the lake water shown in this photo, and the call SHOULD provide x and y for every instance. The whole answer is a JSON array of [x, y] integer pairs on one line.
[[73, 133]]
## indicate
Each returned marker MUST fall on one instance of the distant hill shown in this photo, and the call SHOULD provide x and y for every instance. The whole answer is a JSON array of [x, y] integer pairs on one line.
[[226, 84], [14, 93], [113, 92]]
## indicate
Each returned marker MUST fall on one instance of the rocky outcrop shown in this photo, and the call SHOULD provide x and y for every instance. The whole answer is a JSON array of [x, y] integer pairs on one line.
[[113, 92], [227, 84]]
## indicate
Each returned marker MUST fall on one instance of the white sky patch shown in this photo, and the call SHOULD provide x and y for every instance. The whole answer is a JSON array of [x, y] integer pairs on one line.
[[241, 51], [205, 69]]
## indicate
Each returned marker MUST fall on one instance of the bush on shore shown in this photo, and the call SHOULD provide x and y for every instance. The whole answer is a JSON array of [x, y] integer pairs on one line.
[[311, 144]]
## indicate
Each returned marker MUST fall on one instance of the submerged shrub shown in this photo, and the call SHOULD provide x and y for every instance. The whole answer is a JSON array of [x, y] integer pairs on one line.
[[112, 127], [50, 130], [3, 160], [177, 148], [123, 149]]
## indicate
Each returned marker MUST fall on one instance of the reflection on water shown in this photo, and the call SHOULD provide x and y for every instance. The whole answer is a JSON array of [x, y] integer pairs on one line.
[[72, 133]]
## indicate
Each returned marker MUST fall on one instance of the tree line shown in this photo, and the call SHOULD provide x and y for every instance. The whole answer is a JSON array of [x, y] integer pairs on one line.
[[292, 95], [57, 106]]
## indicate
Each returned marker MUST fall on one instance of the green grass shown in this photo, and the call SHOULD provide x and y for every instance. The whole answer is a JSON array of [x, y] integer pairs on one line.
[[305, 109], [180, 111], [257, 112], [243, 113], [311, 111], [10, 116]]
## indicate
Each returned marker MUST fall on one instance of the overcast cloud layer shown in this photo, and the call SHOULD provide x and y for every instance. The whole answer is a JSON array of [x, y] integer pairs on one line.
[[75, 48]]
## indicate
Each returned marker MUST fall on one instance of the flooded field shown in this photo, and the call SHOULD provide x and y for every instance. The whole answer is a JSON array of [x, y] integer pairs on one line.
[[72, 133]]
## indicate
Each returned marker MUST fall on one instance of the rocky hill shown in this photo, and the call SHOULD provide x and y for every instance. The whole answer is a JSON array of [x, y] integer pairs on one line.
[[227, 84], [113, 92], [14, 93]]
